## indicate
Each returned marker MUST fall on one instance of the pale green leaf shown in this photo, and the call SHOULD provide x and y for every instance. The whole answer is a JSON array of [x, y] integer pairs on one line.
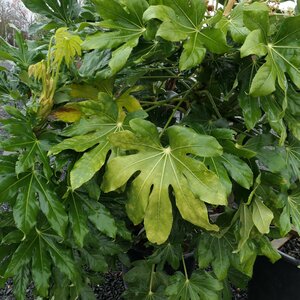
[[67, 46], [254, 44], [262, 216], [246, 224], [256, 16], [264, 81]]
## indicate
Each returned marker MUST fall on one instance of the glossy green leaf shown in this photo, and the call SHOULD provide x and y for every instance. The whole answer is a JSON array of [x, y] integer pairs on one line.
[[163, 167], [21, 281], [254, 44], [262, 216], [51, 206], [62, 258], [21, 257], [238, 170], [201, 285]]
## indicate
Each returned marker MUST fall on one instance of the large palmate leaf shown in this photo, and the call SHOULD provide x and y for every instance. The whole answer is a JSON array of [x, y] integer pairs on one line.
[[63, 11], [201, 285], [183, 20], [126, 21], [161, 168], [281, 50], [90, 133]]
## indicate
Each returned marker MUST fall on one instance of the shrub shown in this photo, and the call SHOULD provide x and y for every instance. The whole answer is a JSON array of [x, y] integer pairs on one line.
[[149, 130]]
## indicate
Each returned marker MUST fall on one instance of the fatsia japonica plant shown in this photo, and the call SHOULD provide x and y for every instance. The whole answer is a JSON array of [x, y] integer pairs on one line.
[[148, 132]]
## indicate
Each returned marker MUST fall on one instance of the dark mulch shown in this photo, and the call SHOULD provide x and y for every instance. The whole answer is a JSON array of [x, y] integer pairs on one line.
[[111, 288], [292, 247]]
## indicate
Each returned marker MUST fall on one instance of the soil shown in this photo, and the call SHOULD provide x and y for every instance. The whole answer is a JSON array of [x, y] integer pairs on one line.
[[292, 247]]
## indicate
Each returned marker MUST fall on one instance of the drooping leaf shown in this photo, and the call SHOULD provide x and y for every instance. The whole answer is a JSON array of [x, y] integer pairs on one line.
[[159, 167], [201, 285], [66, 47]]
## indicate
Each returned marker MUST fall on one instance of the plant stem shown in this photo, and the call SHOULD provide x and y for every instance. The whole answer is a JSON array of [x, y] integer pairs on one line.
[[211, 100], [177, 108], [228, 7], [184, 268], [151, 280]]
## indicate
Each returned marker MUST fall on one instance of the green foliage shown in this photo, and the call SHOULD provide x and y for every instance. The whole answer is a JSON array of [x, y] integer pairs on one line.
[[157, 128]]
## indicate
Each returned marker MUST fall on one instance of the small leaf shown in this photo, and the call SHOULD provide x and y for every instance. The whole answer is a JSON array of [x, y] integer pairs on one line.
[[262, 216], [264, 81], [238, 170]]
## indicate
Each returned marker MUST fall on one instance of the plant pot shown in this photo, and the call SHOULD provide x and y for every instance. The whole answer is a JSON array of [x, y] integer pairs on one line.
[[278, 281]]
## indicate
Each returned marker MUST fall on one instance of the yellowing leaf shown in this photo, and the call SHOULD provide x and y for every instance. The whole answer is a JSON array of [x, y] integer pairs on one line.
[[160, 168], [38, 70], [67, 46], [67, 113]]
